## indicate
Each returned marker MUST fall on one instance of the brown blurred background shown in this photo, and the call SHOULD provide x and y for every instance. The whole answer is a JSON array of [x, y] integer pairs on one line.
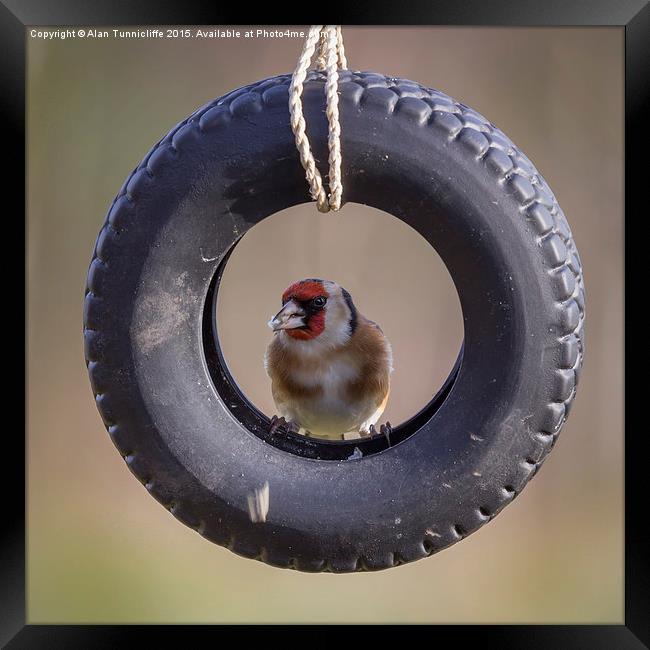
[[100, 549]]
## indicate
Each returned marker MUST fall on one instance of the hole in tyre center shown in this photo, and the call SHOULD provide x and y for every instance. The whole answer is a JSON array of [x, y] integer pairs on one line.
[[394, 277]]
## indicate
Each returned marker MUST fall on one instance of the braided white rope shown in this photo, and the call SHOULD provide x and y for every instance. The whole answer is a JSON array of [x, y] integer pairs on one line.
[[321, 60], [327, 40]]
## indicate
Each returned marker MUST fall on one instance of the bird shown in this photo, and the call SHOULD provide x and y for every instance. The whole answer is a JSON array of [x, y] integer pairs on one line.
[[329, 365]]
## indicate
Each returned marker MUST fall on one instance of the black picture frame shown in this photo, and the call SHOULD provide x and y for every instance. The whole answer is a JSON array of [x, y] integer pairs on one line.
[[631, 15]]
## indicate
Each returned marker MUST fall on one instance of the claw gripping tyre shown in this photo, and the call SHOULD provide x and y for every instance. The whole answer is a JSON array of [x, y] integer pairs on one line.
[[202, 450]]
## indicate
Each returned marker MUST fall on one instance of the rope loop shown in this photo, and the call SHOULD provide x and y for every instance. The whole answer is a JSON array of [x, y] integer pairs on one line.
[[327, 42]]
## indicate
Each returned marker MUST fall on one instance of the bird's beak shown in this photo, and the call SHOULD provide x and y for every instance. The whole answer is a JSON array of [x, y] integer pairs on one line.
[[291, 316]]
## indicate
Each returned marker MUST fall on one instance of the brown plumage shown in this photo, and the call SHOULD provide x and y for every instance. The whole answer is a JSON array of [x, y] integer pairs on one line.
[[329, 365]]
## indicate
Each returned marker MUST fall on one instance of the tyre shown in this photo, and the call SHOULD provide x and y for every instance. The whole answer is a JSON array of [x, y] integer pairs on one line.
[[201, 449]]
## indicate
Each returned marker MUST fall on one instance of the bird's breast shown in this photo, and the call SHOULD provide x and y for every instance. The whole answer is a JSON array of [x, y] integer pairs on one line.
[[330, 377], [322, 400]]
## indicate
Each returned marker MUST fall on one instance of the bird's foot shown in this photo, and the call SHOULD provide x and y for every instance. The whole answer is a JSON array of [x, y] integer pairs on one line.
[[384, 430], [281, 425]]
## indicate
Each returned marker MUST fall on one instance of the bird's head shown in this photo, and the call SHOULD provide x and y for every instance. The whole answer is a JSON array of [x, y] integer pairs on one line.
[[316, 309]]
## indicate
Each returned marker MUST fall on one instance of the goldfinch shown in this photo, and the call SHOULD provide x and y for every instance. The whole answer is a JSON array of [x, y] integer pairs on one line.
[[329, 365]]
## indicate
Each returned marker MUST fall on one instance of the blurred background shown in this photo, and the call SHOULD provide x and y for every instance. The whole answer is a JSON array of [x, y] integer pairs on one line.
[[101, 550], [395, 278]]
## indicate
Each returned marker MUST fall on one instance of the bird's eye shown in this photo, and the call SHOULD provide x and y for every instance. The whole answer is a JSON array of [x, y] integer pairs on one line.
[[319, 302]]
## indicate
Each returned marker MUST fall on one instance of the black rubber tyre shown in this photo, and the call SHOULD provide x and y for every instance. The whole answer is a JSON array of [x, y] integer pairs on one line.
[[201, 449]]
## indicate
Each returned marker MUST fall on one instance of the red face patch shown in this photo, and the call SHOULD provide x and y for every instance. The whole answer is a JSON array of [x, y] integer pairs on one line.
[[315, 326], [303, 292]]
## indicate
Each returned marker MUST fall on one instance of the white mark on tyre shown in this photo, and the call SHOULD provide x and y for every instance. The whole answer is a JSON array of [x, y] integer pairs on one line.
[[258, 504], [207, 259]]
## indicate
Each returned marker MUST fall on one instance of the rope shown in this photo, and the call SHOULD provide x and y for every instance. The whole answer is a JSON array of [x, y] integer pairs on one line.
[[327, 41]]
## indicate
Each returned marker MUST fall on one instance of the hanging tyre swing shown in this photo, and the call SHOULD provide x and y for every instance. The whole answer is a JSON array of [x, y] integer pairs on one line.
[[205, 452]]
